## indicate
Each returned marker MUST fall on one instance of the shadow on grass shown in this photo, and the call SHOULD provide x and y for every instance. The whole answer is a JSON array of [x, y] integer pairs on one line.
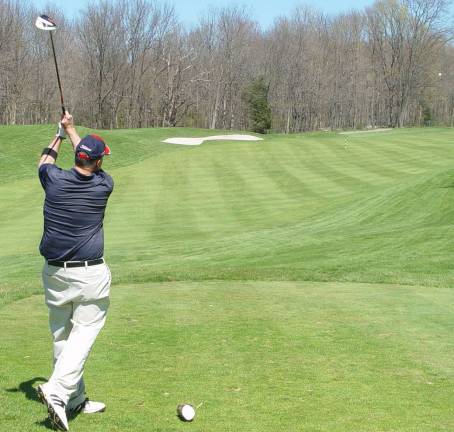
[[28, 388], [45, 423]]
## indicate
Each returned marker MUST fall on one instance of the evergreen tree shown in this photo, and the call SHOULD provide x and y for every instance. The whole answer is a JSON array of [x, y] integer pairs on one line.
[[258, 108]]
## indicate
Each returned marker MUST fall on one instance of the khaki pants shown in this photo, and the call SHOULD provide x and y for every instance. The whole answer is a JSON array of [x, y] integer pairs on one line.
[[78, 299]]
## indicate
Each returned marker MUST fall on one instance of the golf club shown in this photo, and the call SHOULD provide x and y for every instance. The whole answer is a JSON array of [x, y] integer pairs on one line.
[[43, 22]]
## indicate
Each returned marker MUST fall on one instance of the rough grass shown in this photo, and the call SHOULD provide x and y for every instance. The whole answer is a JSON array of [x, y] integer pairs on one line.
[[240, 226]]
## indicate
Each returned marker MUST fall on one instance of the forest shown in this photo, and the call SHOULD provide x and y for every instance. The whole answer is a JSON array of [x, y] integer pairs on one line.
[[133, 64]]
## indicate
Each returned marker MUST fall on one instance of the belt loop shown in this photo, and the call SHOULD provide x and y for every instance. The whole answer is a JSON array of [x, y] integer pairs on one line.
[[64, 265], [86, 264], [103, 260]]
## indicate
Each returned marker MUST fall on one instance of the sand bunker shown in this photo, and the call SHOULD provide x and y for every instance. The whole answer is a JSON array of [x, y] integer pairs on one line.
[[198, 141], [366, 131]]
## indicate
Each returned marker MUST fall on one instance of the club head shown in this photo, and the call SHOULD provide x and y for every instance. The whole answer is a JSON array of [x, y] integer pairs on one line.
[[43, 22]]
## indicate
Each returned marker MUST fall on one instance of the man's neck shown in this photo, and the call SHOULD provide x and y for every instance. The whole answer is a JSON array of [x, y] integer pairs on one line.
[[83, 171]]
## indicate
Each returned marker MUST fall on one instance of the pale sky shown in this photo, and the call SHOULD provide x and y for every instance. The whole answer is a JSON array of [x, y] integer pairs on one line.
[[264, 11]]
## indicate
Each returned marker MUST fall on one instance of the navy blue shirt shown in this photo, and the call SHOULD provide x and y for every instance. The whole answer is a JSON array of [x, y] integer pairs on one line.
[[73, 213]]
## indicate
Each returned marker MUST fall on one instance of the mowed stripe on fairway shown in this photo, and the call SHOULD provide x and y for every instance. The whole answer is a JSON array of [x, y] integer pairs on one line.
[[316, 206], [267, 222]]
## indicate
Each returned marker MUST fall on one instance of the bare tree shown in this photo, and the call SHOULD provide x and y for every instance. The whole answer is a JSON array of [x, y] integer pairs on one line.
[[146, 26], [102, 37], [131, 64], [404, 37]]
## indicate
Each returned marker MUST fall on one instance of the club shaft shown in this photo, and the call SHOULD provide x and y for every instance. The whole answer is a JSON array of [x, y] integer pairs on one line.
[[58, 73]]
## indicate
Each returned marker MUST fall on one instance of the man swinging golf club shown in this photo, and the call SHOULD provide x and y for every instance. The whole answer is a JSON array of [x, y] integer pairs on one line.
[[75, 277]]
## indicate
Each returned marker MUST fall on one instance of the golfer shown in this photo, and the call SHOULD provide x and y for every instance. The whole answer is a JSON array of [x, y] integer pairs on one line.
[[75, 276]]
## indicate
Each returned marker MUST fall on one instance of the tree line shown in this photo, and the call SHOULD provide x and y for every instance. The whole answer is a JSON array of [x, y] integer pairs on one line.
[[132, 64]]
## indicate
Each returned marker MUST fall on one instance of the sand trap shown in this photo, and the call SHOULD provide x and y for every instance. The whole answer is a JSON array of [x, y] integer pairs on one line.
[[366, 131], [198, 141]]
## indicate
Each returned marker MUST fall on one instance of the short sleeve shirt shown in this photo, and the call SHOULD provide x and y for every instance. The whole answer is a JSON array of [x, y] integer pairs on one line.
[[74, 210]]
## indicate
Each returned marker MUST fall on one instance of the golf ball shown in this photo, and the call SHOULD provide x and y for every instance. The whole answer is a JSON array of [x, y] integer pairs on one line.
[[186, 412]]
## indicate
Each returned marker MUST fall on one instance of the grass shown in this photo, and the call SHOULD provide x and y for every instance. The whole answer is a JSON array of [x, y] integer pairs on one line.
[[257, 355], [303, 282]]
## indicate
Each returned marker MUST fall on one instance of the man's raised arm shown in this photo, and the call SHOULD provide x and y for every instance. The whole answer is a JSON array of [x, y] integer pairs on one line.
[[68, 123], [50, 153]]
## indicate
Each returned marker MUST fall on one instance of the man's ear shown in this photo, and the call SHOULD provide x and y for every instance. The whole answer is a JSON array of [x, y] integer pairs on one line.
[[99, 163]]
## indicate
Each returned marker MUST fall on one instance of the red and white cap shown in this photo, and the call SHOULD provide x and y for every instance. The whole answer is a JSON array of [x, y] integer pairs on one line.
[[92, 147]]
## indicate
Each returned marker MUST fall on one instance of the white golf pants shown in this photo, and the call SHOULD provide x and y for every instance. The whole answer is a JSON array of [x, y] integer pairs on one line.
[[78, 299]]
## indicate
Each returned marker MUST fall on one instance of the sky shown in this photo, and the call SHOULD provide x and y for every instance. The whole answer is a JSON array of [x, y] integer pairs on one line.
[[264, 11]]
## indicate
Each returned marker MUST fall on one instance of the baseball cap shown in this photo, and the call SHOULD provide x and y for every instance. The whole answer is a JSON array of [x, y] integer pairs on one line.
[[92, 147]]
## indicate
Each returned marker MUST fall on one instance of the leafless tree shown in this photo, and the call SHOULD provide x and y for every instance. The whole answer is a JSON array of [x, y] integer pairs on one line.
[[130, 63], [405, 37]]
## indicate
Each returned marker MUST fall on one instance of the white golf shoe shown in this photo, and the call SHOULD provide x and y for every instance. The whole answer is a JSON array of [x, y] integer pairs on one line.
[[88, 407], [56, 408]]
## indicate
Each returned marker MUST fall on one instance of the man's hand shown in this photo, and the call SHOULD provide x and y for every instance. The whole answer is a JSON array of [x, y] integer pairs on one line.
[[68, 123]]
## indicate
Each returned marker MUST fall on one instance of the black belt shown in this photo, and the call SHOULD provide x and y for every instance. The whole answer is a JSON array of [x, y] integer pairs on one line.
[[69, 264]]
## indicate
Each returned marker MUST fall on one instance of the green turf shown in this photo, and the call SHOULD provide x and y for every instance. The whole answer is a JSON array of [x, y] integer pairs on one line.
[[258, 356], [371, 215]]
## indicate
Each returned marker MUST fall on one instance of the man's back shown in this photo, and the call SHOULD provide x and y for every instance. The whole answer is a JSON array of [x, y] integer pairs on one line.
[[73, 213], [76, 278]]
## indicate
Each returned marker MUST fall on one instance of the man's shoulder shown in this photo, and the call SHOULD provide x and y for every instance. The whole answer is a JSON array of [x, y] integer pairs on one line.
[[46, 167], [106, 174], [54, 169], [108, 178], [49, 171], [52, 174]]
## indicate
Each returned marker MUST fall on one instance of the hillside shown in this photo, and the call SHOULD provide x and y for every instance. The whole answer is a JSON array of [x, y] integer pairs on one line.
[[321, 207]]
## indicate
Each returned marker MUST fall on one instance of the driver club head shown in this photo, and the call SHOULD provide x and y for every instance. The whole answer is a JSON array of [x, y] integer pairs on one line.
[[43, 22]]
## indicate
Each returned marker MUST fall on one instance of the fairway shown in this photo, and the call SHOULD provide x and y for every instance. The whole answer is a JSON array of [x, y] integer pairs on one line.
[[302, 282]]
